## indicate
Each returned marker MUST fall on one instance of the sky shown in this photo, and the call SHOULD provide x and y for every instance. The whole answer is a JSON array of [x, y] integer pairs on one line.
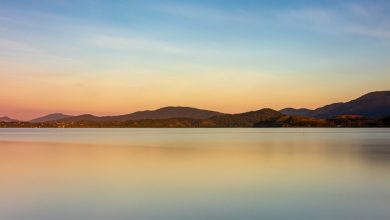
[[116, 57]]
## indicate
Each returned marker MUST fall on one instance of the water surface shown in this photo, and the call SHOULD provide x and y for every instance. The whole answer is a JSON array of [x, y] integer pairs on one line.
[[193, 174]]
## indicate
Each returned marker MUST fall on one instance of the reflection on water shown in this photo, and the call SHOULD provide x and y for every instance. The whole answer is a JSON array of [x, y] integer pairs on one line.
[[192, 174]]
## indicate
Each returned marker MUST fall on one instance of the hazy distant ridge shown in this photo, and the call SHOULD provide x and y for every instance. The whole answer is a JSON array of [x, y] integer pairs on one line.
[[51, 117], [7, 119]]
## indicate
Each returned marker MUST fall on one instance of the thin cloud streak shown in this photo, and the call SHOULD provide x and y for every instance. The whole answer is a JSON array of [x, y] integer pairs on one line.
[[343, 21], [15, 46], [133, 44], [359, 10], [5, 19], [309, 15], [366, 11], [382, 33], [207, 13]]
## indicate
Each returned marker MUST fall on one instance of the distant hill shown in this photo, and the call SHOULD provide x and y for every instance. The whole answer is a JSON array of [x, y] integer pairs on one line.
[[7, 119], [293, 111], [162, 113], [247, 119], [85, 117], [51, 117], [173, 112], [372, 105]]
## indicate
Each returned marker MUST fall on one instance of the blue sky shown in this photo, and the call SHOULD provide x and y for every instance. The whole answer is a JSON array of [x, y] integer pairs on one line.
[[109, 57]]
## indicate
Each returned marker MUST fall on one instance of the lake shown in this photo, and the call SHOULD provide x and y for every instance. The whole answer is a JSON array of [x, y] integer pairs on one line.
[[195, 174]]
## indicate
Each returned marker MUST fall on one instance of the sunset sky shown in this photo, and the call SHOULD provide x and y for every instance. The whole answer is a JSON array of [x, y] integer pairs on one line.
[[116, 57]]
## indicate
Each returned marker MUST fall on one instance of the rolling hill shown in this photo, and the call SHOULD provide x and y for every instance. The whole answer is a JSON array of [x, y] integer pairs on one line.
[[246, 119], [371, 105], [162, 113]]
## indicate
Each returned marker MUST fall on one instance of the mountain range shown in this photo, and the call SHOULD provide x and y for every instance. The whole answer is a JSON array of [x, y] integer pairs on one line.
[[370, 110], [260, 118]]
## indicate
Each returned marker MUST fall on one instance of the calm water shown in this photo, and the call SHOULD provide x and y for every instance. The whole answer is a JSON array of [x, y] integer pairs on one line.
[[194, 174]]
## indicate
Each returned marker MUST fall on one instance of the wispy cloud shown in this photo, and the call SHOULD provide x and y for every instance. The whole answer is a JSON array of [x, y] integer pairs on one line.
[[355, 19], [376, 32], [15, 46], [206, 13], [359, 10], [135, 44], [371, 10], [372, 21], [4, 19], [309, 15]]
